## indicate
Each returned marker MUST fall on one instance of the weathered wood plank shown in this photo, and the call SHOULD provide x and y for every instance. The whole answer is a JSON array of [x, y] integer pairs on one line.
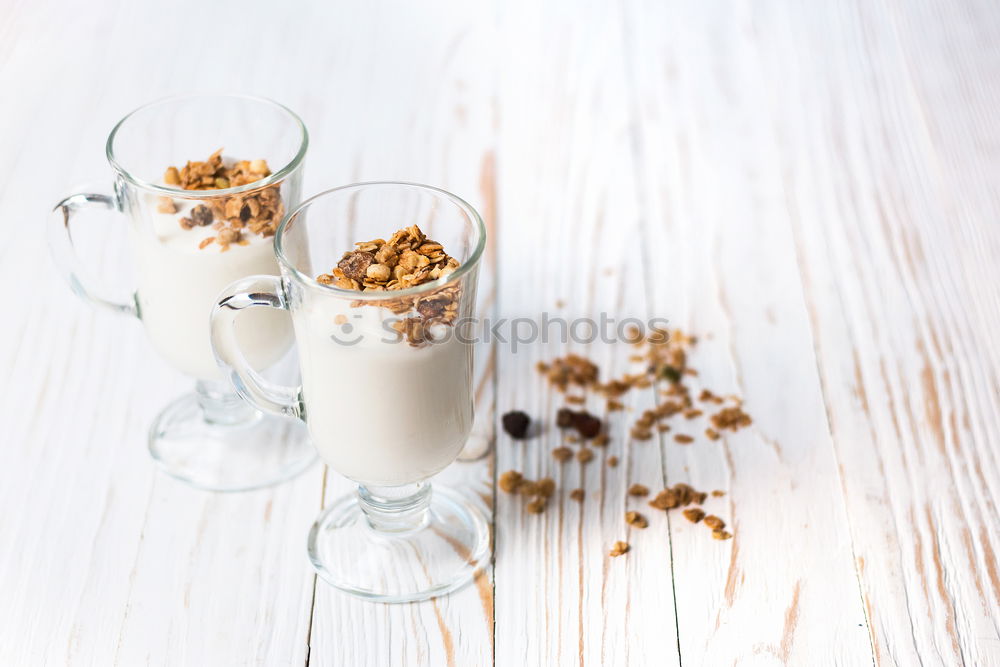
[[891, 209], [721, 264], [571, 231], [420, 107]]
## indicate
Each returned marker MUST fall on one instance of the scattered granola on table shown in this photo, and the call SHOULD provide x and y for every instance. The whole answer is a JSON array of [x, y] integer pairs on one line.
[[539, 492], [256, 211], [664, 356], [586, 424]]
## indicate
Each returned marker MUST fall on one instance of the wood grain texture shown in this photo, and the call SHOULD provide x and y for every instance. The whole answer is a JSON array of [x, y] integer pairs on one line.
[[710, 196], [560, 599], [812, 187], [900, 275]]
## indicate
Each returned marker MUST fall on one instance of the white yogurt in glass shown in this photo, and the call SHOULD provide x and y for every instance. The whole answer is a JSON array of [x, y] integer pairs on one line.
[[379, 410], [178, 284]]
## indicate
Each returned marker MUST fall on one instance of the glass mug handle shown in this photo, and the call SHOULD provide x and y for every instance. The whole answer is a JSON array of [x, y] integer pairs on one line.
[[251, 292], [64, 252]]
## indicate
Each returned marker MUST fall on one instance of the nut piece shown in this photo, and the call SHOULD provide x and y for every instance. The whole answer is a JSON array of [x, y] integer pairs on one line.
[[378, 272], [510, 481], [721, 535], [577, 495], [635, 519], [718, 493], [528, 488], [514, 422], [618, 548], [171, 176], [638, 490], [354, 265], [601, 440], [613, 461], [546, 487], [732, 418], [229, 235], [585, 455], [693, 514], [165, 205], [683, 439], [714, 522], [562, 454], [586, 424], [536, 506], [711, 434], [667, 499]]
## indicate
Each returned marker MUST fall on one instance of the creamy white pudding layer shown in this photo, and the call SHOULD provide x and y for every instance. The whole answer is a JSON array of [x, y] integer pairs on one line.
[[379, 412], [178, 284]]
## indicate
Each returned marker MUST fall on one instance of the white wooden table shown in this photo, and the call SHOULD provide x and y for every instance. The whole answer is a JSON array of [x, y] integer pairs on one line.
[[813, 184]]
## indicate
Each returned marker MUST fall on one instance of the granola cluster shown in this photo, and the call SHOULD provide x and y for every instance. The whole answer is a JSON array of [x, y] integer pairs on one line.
[[539, 492], [664, 359], [406, 260], [257, 211]]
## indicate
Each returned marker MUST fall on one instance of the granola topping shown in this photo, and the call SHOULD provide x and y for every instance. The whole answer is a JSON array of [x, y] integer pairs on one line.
[[256, 211], [407, 259]]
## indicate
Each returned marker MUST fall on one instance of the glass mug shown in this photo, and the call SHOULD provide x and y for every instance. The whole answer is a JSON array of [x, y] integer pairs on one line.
[[386, 409], [211, 439]]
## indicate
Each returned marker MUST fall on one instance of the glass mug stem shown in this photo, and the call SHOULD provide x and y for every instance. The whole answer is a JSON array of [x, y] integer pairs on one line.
[[396, 509], [221, 405]]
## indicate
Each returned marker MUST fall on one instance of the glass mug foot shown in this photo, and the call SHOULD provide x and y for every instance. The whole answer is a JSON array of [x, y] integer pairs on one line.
[[218, 443], [370, 547]]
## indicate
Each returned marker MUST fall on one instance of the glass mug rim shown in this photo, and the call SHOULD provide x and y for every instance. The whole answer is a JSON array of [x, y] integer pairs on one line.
[[275, 177], [375, 296]]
